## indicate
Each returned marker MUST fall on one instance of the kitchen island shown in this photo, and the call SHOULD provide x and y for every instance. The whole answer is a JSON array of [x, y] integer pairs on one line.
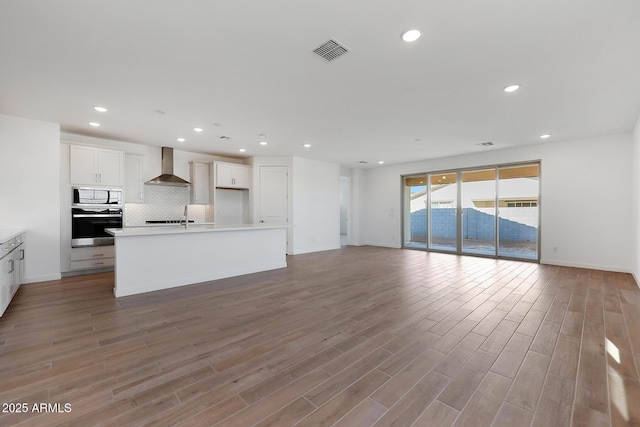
[[153, 258]]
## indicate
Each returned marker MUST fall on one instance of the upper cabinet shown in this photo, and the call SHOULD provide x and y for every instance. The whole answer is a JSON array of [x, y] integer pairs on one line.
[[200, 179], [133, 183], [232, 175], [96, 166]]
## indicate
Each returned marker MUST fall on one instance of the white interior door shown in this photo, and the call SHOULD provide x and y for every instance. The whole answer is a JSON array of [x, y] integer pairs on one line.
[[274, 194]]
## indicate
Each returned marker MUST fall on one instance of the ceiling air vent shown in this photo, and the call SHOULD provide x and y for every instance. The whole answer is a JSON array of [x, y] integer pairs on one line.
[[485, 144], [330, 50]]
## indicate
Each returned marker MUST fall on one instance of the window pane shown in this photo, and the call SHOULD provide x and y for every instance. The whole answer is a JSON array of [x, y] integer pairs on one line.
[[415, 221], [478, 212], [443, 214], [518, 192]]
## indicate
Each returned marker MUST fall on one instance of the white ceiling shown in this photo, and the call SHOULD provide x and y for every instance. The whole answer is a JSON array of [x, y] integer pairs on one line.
[[243, 68]]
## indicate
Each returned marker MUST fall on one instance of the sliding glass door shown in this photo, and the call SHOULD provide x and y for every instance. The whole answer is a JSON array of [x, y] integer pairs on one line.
[[518, 188], [415, 208], [491, 211], [443, 212], [479, 211]]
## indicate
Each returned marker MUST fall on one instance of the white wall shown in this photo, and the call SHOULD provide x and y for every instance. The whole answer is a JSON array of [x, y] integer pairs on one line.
[[345, 200], [586, 207], [316, 206], [635, 200], [314, 202], [358, 213], [30, 192]]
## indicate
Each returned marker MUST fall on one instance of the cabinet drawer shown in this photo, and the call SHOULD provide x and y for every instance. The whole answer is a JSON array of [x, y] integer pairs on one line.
[[92, 253], [92, 263]]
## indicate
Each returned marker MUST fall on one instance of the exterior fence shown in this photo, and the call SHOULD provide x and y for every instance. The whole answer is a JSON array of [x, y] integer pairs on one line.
[[475, 225]]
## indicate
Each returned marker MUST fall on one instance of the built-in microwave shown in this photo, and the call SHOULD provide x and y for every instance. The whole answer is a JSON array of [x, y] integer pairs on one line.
[[97, 197], [93, 211]]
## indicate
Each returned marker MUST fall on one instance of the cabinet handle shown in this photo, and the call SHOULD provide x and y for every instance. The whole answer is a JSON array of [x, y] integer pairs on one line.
[[21, 254], [99, 177], [141, 195], [11, 261], [97, 255], [98, 263]]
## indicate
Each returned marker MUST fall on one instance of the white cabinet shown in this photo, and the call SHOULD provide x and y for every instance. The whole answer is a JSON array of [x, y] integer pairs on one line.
[[92, 257], [230, 175], [93, 165], [200, 188], [133, 183], [6, 279], [11, 269]]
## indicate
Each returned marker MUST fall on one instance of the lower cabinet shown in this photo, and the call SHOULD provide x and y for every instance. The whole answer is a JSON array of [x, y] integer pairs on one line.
[[92, 257], [11, 270]]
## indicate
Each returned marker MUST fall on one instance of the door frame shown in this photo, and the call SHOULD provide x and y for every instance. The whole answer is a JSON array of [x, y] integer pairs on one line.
[[459, 172]]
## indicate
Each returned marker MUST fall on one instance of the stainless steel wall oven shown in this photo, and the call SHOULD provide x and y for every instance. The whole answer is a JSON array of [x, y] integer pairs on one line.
[[94, 210]]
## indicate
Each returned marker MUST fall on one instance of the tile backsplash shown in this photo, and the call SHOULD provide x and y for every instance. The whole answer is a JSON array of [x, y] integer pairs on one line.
[[162, 203]]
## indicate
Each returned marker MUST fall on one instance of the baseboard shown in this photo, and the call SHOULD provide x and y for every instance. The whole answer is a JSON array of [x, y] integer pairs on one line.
[[43, 278], [382, 245], [320, 249], [617, 269]]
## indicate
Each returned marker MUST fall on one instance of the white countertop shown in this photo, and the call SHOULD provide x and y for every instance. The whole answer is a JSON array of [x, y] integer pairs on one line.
[[165, 224], [180, 229], [7, 234]]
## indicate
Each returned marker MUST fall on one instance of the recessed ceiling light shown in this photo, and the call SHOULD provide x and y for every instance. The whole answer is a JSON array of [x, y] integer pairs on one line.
[[197, 129], [242, 150], [180, 139], [100, 109], [381, 162], [411, 35], [263, 142], [306, 145], [94, 124], [545, 136], [511, 88]]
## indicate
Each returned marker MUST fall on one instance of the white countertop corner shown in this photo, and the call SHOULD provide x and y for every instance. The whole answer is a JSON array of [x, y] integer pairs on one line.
[[7, 234], [181, 229]]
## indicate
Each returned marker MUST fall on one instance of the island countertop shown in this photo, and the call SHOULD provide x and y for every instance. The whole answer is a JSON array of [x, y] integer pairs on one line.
[[181, 229], [153, 258]]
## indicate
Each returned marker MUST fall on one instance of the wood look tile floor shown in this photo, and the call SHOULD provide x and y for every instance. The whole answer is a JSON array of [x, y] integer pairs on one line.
[[359, 336]]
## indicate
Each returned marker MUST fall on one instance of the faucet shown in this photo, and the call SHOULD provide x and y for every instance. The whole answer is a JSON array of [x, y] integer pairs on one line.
[[186, 216]]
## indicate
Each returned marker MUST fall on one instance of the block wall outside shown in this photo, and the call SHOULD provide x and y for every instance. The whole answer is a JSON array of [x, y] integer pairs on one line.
[[476, 225]]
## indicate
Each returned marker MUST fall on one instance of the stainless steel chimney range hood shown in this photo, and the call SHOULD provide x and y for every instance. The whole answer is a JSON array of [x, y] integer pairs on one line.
[[167, 177]]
